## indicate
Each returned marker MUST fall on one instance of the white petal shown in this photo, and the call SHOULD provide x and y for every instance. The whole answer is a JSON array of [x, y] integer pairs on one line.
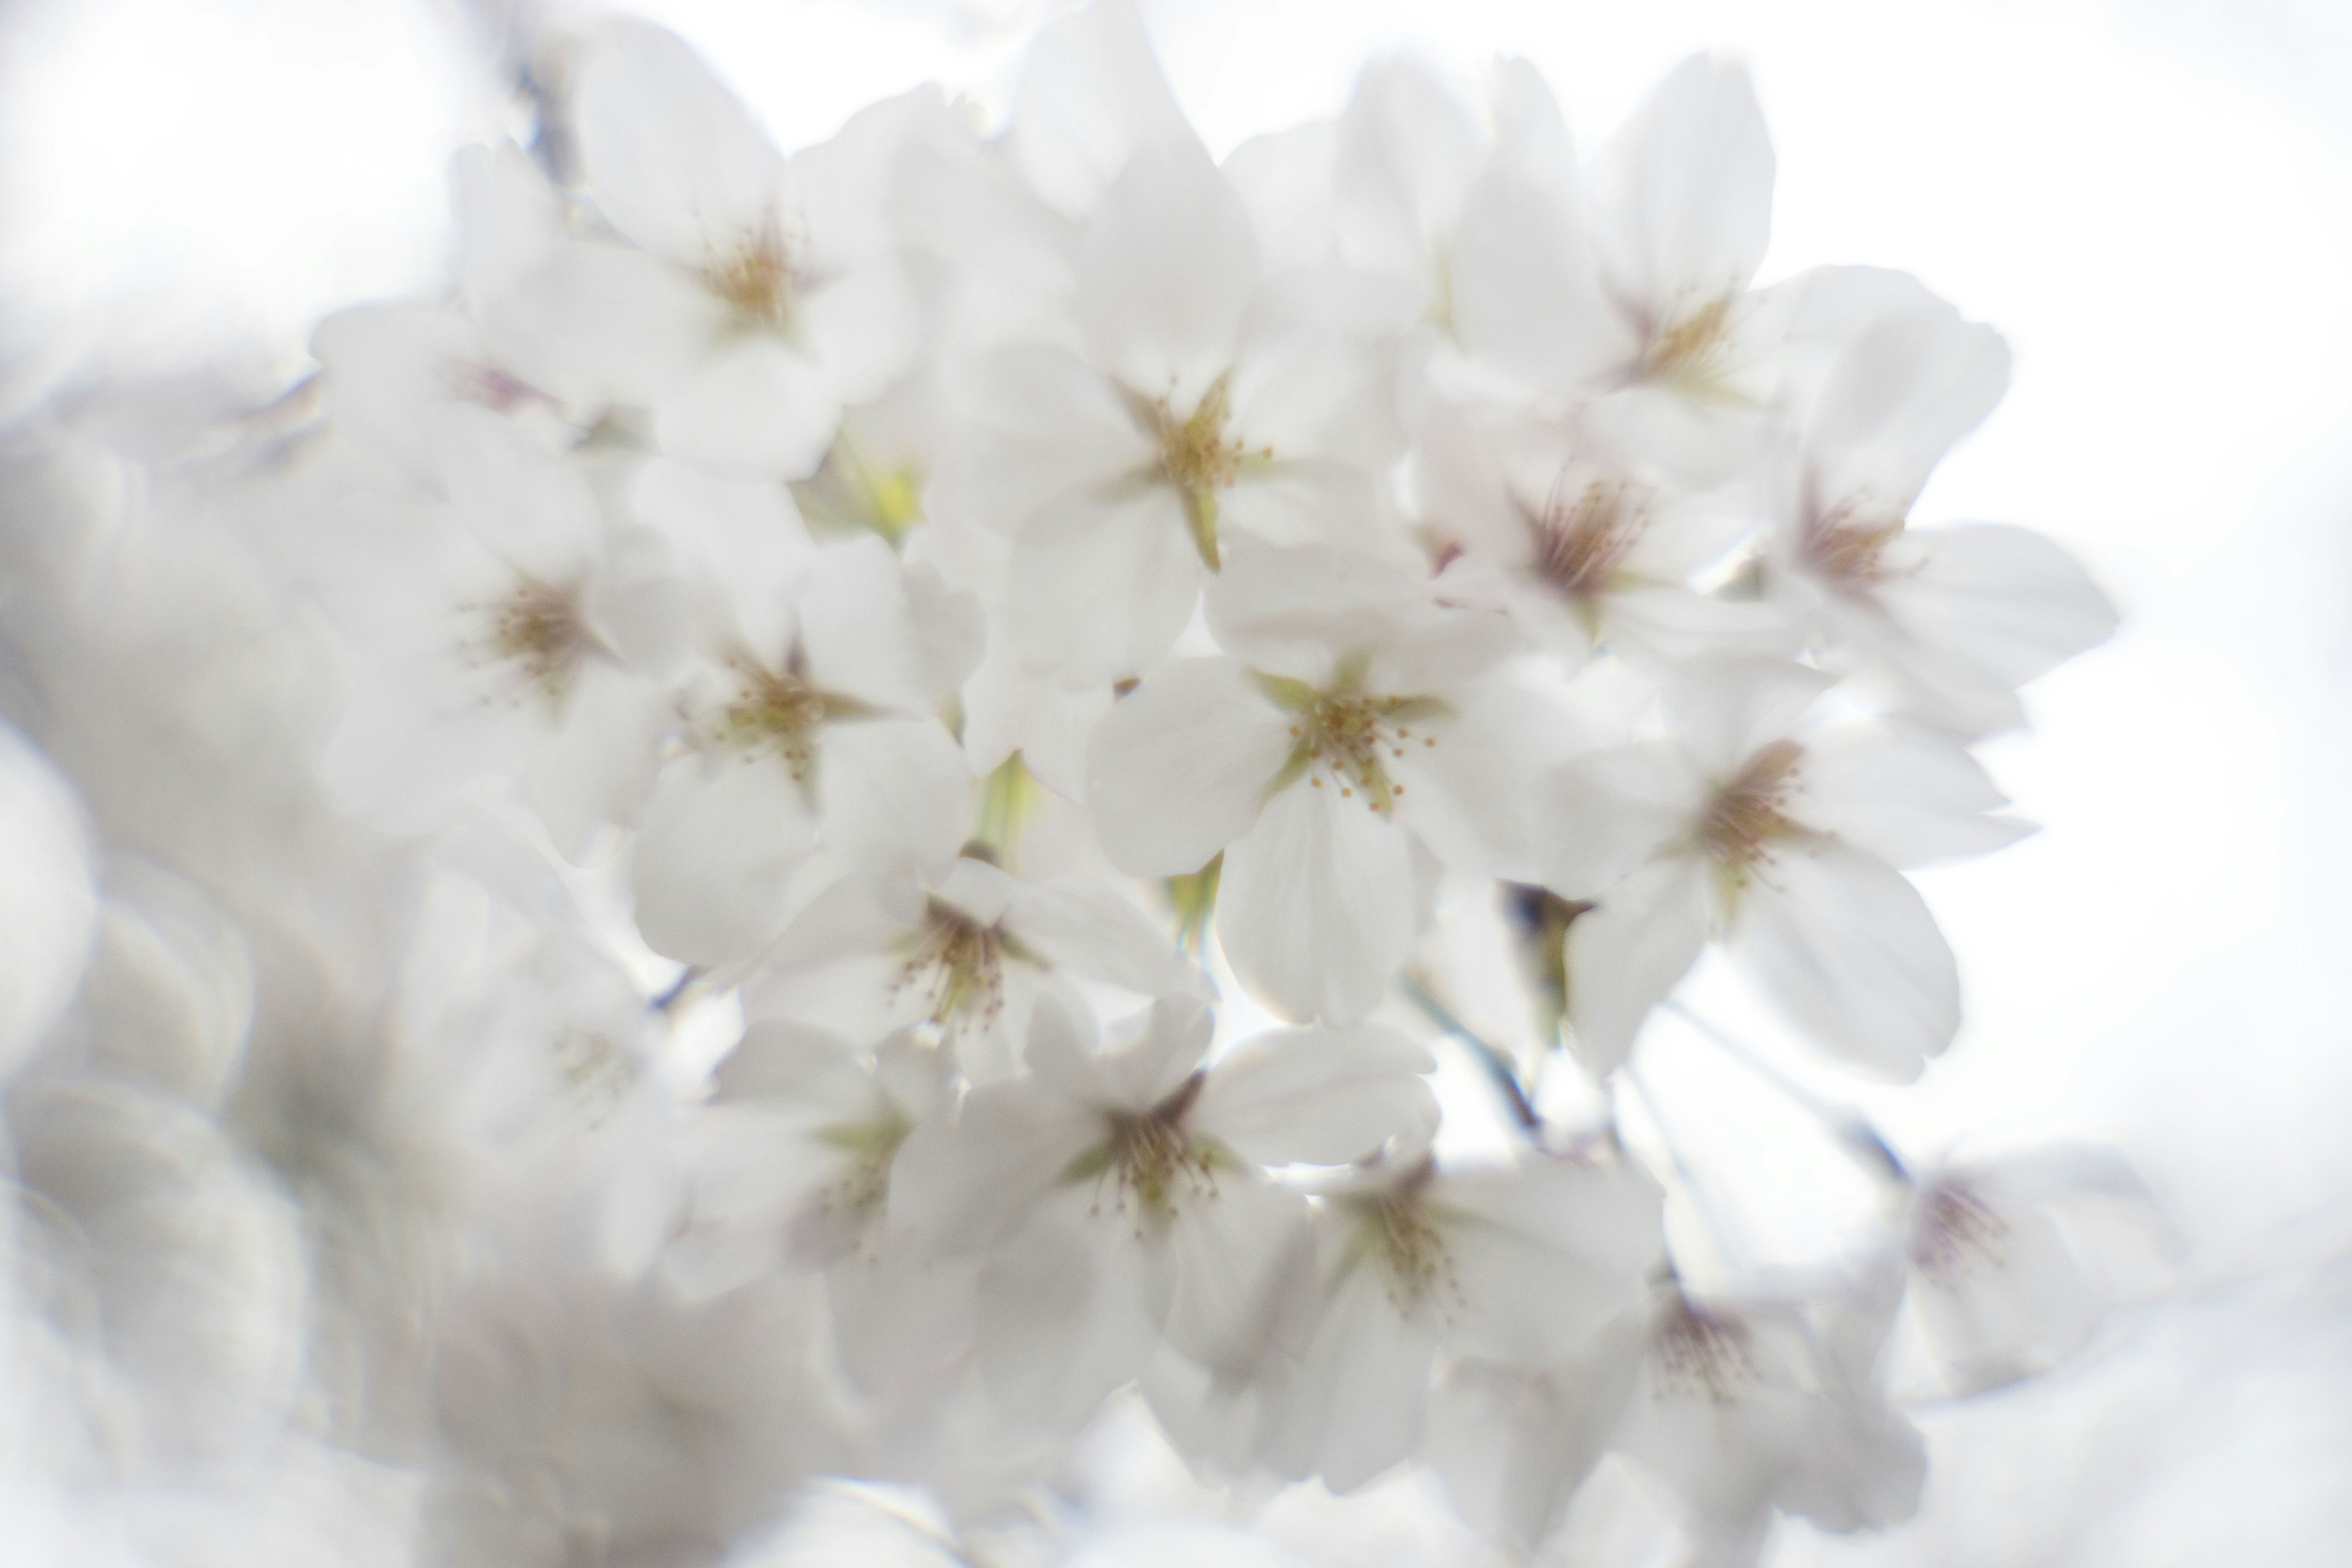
[[1847, 948], [719, 837], [1086, 925], [1319, 1096], [604, 323], [523, 502], [1908, 799], [895, 793], [1043, 423], [1091, 94], [601, 764], [1724, 707], [863, 329], [1471, 797], [1166, 273], [1063, 1319], [1527, 287], [1099, 586], [50, 906], [1357, 1406], [675, 159], [1229, 1260], [856, 627], [1545, 1253], [759, 410], [1689, 187], [1895, 401], [1625, 957], [2007, 601], [959, 1186], [1602, 812], [1317, 906], [1177, 768], [1152, 1066]]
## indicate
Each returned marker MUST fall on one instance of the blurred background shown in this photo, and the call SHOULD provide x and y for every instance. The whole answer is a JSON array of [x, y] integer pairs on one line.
[[2152, 199]]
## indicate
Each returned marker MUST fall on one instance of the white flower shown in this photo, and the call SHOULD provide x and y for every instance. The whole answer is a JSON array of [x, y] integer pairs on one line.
[[821, 734], [516, 637], [1957, 616], [1351, 720], [2014, 1261], [759, 294], [1515, 1266], [388, 366], [1121, 1196], [1580, 548], [1207, 403], [971, 953], [1780, 843], [1745, 1407]]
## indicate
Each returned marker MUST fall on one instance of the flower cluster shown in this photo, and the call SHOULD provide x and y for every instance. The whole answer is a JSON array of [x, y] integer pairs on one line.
[[826, 833]]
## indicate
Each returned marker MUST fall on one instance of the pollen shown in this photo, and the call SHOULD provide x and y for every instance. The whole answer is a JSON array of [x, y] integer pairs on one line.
[[1199, 458], [1747, 816], [1580, 544], [1954, 1228], [1848, 555], [1154, 1161], [777, 715], [539, 630], [861, 1190], [1347, 735], [1694, 1353], [1404, 1242], [959, 963], [756, 280]]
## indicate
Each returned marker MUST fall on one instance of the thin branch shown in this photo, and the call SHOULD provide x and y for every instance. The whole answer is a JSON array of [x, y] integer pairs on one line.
[[1855, 1134], [1504, 1078]]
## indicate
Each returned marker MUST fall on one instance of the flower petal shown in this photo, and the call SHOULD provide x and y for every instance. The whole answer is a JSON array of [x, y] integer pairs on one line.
[[1319, 1096], [1625, 955], [1317, 907], [1166, 273], [719, 839], [1177, 770], [675, 161], [1847, 948]]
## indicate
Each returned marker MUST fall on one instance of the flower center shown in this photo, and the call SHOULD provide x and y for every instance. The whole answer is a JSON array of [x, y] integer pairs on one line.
[[1153, 1159], [961, 964], [778, 713], [1407, 1245], [1690, 350], [539, 628], [1348, 735], [1954, 1225], [1198, 458], [1580, 545], [863, 1188], [755, 281], [1694, 1351], [1846, 554], [1746, 815]]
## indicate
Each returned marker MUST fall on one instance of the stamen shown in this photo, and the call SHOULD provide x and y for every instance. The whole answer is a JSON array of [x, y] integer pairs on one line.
[[1954, 1227], [1198, 458], [538, 629], [965, 962], [1689, 351], [1152, 1160], [1746, 817], [1343, 731], [778, 713], [1581, 546], [1693, 1352], [756, 280], [1845, 554]]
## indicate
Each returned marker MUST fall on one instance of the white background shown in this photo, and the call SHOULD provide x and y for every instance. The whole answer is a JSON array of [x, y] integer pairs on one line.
[[2152, 201]]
